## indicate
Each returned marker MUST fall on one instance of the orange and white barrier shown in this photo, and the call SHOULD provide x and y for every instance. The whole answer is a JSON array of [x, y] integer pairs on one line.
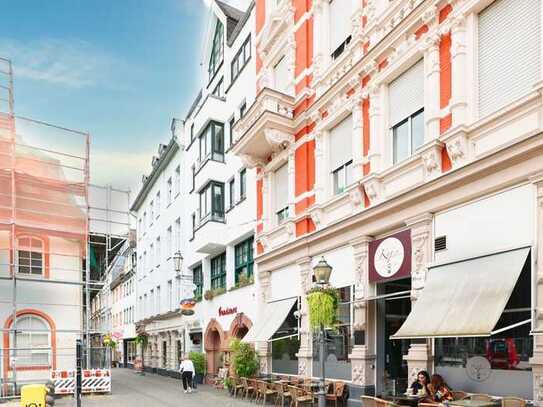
[[92, 381]]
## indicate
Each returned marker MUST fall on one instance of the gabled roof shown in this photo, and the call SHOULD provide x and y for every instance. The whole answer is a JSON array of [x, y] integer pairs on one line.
[[235, 19]]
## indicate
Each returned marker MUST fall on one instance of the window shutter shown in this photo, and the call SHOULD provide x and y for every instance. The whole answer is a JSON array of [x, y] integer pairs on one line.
[[406, 94], [281, 188], [509, 52], [340, 23], [281, 74], [341, 144]]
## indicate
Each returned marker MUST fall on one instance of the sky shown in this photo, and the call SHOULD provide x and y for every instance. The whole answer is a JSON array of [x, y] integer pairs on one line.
[[118, 69]]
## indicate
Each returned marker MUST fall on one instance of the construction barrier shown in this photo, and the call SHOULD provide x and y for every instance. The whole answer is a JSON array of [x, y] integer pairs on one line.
[[93, 381]]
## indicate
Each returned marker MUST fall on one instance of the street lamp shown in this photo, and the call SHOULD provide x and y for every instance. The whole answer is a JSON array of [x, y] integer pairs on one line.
[[322, 272], [177, 261]]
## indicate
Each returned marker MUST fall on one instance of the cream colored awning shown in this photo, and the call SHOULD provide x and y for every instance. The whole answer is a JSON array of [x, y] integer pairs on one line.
[[269, 320], [464, 298]]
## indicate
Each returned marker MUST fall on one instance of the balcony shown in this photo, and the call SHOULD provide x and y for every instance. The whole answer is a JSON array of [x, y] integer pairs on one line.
[[266, 129], [208, 234]]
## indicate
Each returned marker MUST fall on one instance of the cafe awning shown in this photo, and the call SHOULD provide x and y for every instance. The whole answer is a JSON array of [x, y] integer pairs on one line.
[[464, 298], [269, 320]]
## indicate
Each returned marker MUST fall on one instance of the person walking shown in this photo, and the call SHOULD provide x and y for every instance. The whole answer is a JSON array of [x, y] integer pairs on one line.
[[187, 371]]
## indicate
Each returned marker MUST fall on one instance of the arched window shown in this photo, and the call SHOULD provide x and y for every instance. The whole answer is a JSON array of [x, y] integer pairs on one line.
[[30, 254], [33, 341]]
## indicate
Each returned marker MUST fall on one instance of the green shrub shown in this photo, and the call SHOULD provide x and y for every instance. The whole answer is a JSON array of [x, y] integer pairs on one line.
[[199, 361], [244, 358]]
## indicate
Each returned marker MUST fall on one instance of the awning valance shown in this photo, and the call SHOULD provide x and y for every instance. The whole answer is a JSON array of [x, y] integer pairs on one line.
[[269, 320], [464, 298]]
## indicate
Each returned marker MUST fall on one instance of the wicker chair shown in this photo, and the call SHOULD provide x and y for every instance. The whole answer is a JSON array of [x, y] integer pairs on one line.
[[282, 394], [299, 396], [510, 401], [337, 394], [258, 390], [381, 403], [368, 401], [238, 386], [459, 395], [267, 390], [247, 387], [480, 397]]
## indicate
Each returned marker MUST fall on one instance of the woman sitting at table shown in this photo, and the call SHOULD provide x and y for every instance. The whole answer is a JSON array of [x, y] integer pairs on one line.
[[420, 386], [439, 391]]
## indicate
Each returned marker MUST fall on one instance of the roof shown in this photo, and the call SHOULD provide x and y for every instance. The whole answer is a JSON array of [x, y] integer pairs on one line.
[[235, 19]]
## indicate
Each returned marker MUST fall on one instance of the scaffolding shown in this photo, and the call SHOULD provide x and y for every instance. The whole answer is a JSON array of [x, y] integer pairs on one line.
[[57, 234]]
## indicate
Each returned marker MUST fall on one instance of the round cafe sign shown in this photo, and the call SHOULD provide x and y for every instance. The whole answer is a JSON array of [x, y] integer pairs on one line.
[[389, 257], [478, 368]]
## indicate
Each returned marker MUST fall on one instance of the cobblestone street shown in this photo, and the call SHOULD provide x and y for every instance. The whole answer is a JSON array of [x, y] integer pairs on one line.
[[131, 389]]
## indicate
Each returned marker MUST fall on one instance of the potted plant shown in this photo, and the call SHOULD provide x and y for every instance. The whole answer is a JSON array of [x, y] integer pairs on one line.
[[323, 306], [244, 358], [199, 362], [141, 340]]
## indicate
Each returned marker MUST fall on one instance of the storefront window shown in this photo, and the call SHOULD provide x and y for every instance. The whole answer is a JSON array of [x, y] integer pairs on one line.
[[284, 358], [339, 342]]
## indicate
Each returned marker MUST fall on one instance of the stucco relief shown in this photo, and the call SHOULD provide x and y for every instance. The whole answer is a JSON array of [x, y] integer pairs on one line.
[[317, 217], [372, 188], [457, 148], [355, 197], [420, 256], [278, 140], [359, 374]]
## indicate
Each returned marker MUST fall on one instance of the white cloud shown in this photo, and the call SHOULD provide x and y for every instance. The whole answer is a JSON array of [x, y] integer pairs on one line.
[[72, 63]]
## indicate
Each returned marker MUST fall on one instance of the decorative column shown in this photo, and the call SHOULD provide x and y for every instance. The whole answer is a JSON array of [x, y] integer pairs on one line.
[[266, 202], [305, 353], [320, 167], [291, 168], [432, 111], [363, 354], [358, 158], [376, 136], [459, 70], [536, 362], [419, 356], [263, 349]]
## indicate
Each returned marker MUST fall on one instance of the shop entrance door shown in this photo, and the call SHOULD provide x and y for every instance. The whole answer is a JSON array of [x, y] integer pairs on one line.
[[391, 313]]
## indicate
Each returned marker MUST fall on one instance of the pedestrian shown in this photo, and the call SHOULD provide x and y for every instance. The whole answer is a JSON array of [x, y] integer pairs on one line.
[[187, 371]]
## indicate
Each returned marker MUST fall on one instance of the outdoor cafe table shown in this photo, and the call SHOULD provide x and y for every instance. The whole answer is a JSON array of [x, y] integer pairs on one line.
[[404, 400], [474, 403]]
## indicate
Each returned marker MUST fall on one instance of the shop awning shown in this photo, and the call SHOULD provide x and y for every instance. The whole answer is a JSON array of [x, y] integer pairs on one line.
[[464, 298], [269, 320]]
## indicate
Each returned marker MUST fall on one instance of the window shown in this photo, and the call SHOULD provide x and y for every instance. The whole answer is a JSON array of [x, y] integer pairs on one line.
[[152, 302], [212, 143], [281, 193], [158, 299], [509, 60], [157, 202], [193, 216], [157, 247], [144, 220], [192, 132], [177, 180], [193, 168], [215, 59], [341, 156], [241, 59], [31, 255], [242, 184], [408, 136], [242, 109], [33, 341], [282, 76], [231, 123], [218, 91], [198, 280], [212, 202], [406, 112], [244, 259], [169, 191], [152, 253], [151, 213], [218, 271], [340, 27], [231, 193], [177, 234], [170, 296], [169, 242]]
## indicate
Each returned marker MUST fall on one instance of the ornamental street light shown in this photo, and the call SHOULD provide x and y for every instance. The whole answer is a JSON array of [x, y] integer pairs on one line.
[[177, 261], [322, 272]]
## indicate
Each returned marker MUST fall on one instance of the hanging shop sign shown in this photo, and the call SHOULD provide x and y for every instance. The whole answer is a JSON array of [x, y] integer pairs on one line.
[[390, 257], [227, 311], [187, 307]]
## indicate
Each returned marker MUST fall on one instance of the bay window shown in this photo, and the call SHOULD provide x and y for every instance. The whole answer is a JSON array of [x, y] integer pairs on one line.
[[218, 271], [244, 259], [341, 156], [406, 112], [212, 143], [212, 202]]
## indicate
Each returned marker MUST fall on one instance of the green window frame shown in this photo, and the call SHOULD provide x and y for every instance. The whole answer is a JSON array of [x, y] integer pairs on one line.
[[218, 271], [198, 280], [244, 258], [217, 51]]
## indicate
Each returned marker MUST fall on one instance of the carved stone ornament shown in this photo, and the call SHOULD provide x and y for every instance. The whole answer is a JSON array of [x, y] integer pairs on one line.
[[457, 150], [250, 161], [420, 256], [355, 197], [317, 217], [372, 189], [301, 367], [278, 140], [359, 374]]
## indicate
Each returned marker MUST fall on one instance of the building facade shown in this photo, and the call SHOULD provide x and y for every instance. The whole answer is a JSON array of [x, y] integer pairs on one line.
[[402, 142]]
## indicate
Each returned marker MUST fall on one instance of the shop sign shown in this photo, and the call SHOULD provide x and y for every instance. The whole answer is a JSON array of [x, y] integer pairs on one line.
[[390, 257], [227, 311]]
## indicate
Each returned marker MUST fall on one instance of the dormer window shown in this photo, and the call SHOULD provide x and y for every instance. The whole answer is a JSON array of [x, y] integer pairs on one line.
[[217, 51]]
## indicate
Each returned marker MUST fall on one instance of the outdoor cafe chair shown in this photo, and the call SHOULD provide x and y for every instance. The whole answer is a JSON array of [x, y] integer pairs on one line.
[[258, 390], [337, 393], [282, 394], [510, 401], [480, 397], [267, 390], [299, 396], [459, 395], [238, 386], [368, 401], [247, 387]]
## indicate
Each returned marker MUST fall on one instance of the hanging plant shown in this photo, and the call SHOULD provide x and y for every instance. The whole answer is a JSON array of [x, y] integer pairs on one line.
[[109, 342], [323, 305], [141, 340]]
